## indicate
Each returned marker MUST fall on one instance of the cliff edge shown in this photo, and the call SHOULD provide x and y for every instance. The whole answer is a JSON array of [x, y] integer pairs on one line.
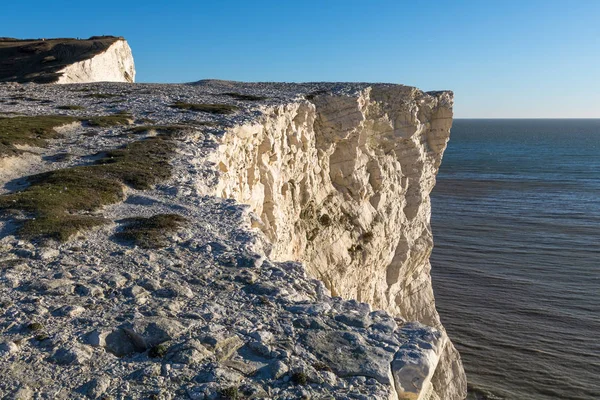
[[97, 59], [221, 240]]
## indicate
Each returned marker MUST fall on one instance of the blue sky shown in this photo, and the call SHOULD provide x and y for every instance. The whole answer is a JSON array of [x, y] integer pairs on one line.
[[506, 58]]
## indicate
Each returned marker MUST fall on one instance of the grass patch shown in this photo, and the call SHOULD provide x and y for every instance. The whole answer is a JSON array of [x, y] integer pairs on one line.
[[244, 97], [35, 131], [71, 107], [229, 393], [30, 131], [35, 327], [299, 378], [61, 200], [158, 351], [312, 95], [110, 120], [153, 232], [208, 108]]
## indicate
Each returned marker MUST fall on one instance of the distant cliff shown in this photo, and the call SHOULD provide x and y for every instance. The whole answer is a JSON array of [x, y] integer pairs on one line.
[[97, 59]]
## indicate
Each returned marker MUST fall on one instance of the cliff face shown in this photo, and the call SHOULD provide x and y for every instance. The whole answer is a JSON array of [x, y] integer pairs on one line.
[[342, 184], [98, 59]]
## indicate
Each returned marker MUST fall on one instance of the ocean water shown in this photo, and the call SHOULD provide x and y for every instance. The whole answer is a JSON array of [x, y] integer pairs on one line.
[[516, 262]]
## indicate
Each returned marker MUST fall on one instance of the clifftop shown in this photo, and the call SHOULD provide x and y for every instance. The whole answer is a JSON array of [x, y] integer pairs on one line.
[[64, 60], [221, 240]]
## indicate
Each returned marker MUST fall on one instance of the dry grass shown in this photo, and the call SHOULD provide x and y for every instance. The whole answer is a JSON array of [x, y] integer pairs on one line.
[[153, 232], [244, 97], [61, 201], [30, 131]]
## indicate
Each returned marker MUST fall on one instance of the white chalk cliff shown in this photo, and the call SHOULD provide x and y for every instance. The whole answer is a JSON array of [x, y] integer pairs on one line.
[[115, 64], [341, 183]]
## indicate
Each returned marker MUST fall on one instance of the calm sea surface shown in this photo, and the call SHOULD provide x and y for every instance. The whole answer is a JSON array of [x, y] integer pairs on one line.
[[516, 263]]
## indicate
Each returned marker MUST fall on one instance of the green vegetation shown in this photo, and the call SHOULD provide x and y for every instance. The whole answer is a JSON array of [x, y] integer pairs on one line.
[[325, 220], [71, 107], [31, 131], [153, 232], [247, 97], [320, 366], [158, 351], [110, 120], [61, 200], [299, 378], [35, 327], [312, 95], [34, 131], [367, 237], [209, 108], [230, 393]]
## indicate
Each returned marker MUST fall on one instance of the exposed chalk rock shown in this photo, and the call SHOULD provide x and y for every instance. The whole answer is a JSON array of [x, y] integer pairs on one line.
[[115, 64]]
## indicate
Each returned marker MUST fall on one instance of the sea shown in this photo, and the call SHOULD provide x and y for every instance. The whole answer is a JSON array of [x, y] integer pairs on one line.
[[516, 261]]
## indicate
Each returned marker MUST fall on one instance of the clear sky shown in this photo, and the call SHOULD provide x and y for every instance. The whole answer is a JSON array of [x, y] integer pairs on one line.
[[507, 58]]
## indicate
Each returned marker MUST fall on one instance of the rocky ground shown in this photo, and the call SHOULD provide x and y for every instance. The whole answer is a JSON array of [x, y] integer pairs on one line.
[[204, 314]]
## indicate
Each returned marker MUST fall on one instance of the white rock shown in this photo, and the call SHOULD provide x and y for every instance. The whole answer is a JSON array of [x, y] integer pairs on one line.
[[113, 65]]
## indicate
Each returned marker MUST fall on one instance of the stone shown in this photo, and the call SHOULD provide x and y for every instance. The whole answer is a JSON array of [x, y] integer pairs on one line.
[[69, 311], [415, 362], [56, 287], [155, 330], [191, 352], [97, 338], [173, 290], [95, 388], [137, 293], [354, 319], [73, 355], [278, 369], [262, 336], [119, 342], [142, 335], [115, 281], [47, 254], [225, 348], [89, 290], [260, 348], [225, 376], [348, 355], [8, 348], [23, 393]]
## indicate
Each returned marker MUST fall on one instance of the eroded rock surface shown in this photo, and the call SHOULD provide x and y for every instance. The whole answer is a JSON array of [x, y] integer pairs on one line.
[[299, 204]]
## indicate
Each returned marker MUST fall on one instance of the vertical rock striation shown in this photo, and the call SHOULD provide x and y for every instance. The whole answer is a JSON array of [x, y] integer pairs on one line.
[[341, 182]]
